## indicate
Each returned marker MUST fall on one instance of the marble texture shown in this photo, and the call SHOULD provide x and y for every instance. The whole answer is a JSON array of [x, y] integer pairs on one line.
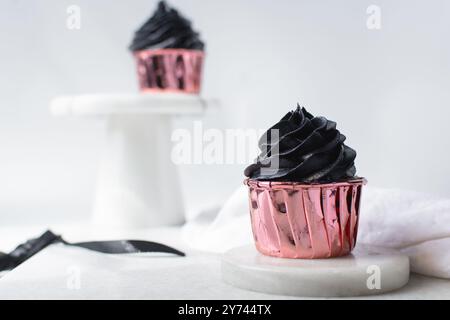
[[367, 271]]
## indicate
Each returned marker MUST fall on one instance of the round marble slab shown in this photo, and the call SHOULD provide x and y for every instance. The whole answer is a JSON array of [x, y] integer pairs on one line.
[[367, 271]]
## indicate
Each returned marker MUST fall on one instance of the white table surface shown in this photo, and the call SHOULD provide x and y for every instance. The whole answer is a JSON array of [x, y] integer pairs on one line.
[[49, 274]]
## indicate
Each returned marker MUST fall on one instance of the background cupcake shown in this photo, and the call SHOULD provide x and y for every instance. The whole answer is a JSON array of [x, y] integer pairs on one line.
[[304, 195], [168, 52]]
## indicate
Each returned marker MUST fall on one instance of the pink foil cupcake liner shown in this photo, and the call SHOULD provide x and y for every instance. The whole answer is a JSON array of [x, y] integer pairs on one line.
[[169, 70], [309, 221]]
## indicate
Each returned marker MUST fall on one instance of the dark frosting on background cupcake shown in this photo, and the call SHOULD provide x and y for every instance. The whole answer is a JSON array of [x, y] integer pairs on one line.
[[310, 149], [166, 29]]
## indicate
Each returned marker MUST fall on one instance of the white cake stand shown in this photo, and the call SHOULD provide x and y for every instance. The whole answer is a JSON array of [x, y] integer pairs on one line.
[[367, 271], [138, 184]]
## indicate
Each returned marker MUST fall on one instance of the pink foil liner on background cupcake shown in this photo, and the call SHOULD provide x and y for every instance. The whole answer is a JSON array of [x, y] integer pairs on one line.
[[295, 220], [169, 70]]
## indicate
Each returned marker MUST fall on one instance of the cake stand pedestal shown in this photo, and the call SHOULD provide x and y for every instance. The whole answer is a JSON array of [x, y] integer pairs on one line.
[[137, 184], [367, 271]]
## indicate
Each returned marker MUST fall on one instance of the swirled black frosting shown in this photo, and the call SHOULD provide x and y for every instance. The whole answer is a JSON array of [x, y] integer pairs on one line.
[[308, 149], [166, 29]]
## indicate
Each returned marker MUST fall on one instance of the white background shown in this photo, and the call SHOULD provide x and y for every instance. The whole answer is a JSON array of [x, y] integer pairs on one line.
[[387, 89]]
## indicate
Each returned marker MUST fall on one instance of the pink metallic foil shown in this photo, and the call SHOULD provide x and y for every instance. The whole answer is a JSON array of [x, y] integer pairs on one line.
[[169, 70], [308, 221]]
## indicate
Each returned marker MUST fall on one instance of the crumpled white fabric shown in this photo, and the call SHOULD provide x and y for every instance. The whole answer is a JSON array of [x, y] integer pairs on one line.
[[415, 223]]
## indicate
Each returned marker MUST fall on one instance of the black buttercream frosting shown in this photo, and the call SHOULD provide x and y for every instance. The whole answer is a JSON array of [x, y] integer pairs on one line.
[[309, 149], [166, 29]]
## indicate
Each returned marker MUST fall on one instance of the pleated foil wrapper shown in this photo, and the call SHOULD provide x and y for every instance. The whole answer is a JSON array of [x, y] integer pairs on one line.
[[169, 70], [307, 221]]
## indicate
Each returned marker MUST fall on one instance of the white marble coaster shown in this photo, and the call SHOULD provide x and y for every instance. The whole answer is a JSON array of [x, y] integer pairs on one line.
[[367, 271]]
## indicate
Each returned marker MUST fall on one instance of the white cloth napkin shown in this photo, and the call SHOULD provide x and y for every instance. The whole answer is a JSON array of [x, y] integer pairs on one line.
[[415, 223]]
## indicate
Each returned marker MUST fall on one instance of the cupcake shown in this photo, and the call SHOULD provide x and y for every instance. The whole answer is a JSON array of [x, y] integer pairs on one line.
[[168, 53], [303, 190]]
